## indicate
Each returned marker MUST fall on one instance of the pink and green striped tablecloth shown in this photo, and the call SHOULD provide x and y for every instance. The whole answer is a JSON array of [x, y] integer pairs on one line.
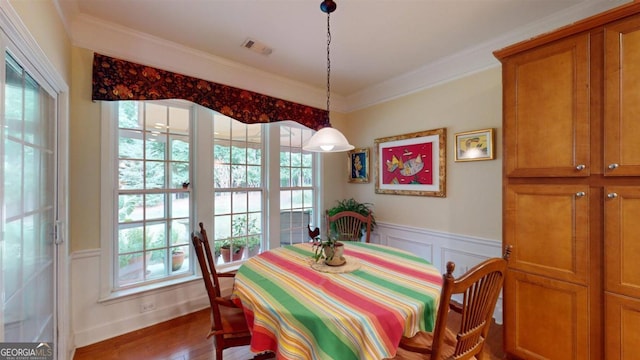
[[301, 313]]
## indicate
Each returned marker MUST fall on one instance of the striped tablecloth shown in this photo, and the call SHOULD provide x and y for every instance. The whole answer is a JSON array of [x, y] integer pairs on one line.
[[302, 313]]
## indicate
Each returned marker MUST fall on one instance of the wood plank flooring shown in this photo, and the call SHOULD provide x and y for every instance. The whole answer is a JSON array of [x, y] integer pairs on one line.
[[184, 338]]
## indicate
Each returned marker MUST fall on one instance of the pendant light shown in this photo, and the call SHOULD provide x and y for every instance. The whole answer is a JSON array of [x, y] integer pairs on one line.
[[328, 139]]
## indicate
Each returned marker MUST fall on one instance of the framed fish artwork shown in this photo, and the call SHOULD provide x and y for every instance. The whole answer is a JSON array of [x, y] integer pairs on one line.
[[412, 164]]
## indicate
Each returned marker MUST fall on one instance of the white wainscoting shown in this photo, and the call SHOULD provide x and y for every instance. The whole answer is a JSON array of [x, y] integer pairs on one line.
[[441, 247], [94, 320]]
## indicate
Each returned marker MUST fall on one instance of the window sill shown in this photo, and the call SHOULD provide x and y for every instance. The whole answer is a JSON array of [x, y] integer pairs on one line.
[[120, 295], [117, 295], [229, 268]]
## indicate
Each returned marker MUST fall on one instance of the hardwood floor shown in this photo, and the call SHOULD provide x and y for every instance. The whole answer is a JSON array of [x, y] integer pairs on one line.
[[184, 338]]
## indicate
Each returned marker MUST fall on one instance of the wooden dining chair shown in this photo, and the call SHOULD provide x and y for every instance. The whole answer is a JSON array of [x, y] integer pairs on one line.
[[479, 288], [228, 324], [348, 226]]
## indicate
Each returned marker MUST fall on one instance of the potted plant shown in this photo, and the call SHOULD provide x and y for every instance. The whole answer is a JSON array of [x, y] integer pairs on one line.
[[177, 258], [253, 245], [355, 206], [330, 250], [232, 248]]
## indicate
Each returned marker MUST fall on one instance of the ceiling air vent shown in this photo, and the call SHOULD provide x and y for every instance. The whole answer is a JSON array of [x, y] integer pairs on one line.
[[257, 46]]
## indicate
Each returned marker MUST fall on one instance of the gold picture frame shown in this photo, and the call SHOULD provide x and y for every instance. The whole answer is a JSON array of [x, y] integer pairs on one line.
[[412, 164], [474, 145], [358, 165]]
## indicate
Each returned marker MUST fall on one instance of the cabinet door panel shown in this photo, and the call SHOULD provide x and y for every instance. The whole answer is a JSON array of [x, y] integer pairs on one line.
[[545, 318], [622, 240], [548, 227], [622, 107], [622, 327], [546, 110]]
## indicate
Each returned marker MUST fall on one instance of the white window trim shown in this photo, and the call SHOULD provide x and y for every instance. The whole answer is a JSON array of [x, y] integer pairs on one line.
[[108, 210], [107, 183], [202, 183]]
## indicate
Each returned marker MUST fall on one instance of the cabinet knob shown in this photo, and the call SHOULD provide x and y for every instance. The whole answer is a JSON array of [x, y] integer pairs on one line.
[[612, 195], [580, 167], [507, 252], [580, 194], [613, 166]]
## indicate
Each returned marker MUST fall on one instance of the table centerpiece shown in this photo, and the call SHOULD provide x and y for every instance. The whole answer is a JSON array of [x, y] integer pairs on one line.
[[330, 250]]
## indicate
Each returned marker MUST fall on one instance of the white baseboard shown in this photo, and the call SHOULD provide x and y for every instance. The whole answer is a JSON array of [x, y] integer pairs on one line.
[[135, 320], [71, 348]]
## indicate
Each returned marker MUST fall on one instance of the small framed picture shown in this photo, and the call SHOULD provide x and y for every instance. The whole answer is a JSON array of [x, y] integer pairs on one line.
[[359, 165], [474, 145]]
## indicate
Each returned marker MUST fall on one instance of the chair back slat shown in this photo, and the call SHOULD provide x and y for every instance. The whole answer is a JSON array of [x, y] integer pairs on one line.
[[349, 226], [210, 259], [479, 301], [480, 288], [209, 274]]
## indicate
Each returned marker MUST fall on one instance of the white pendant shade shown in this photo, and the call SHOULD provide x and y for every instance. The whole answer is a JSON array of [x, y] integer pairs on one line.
[[327, 139]]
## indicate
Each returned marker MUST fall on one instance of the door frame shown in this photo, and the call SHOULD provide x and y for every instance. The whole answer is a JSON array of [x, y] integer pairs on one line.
[[15, 36]]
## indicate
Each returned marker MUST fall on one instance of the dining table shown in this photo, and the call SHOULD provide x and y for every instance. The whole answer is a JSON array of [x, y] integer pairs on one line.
[[303, 309]]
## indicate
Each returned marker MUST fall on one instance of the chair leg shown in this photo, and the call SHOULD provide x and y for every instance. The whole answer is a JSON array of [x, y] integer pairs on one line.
[[218, 353]]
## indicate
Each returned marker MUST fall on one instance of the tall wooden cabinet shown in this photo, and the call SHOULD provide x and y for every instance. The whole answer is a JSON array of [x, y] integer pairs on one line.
[[571, 199]]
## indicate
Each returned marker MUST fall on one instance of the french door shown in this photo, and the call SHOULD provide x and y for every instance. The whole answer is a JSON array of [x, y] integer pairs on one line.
[[29, 212]]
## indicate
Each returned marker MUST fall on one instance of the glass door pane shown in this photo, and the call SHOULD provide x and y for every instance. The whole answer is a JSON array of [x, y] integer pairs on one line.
[[28, 179]]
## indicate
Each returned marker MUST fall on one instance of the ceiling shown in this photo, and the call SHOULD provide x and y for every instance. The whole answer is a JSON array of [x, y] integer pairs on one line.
[[373, 42]]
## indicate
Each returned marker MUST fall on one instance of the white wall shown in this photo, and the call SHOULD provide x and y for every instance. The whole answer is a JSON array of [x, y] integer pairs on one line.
[[473, 202]]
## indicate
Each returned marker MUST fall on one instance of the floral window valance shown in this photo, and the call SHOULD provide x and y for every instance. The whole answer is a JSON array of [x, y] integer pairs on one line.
[[115, 79]]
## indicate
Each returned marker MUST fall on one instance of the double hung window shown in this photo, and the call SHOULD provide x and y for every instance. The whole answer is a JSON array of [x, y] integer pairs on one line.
[[177, 164], [297, 187], [153, 206], [238, 205]]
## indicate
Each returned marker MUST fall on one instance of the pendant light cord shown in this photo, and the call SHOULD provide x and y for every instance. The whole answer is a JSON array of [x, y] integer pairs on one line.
[[326, 138], [328, 63]]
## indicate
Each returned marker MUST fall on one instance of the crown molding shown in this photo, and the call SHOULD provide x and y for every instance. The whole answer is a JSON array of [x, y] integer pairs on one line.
[[117, 41], [28, 49], [121, 42], [470, 60]]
